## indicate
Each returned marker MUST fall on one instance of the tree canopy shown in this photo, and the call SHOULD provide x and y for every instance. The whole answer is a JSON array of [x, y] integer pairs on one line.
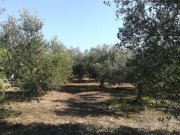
[[105, 63], [151, 29], [27, 59]]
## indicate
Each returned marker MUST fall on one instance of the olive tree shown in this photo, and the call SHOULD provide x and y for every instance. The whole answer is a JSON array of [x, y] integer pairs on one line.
[[78, 67], [28, 60], [108, 64], [151, 30], [60, 62], [23, 41]]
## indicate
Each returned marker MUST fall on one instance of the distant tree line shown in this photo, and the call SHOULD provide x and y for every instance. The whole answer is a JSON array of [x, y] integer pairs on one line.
[[105, 63]]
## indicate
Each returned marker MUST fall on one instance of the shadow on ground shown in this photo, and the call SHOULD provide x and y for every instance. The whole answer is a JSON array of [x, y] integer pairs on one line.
[[14, 96], [119, 91], [82, 109], [83, 81], [88, 100], [4, 113], [89, 105], [72, 129]]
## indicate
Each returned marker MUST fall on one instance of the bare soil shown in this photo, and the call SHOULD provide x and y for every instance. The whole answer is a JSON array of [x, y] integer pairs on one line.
[[83, 109]]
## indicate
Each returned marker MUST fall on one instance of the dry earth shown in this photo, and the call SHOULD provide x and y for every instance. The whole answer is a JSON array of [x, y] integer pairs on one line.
[[80, 109]]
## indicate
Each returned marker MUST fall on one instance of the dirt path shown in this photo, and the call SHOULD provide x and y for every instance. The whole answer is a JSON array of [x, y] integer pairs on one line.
[[82, 110]]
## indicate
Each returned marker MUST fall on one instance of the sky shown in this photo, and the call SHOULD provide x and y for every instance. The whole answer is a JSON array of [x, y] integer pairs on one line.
[[76, 23]]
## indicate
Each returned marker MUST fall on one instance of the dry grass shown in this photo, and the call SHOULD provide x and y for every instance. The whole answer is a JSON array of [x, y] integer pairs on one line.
[[83, 104]]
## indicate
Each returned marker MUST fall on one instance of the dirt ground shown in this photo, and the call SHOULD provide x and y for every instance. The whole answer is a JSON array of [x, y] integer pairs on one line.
[[81, 109]]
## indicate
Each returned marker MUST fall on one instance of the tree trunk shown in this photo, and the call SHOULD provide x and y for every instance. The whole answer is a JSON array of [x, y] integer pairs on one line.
[[140, 93], [139, 99], [101, 84]]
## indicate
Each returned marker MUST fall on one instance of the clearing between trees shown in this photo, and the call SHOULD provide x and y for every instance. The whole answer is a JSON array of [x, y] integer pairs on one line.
[[84, 109]]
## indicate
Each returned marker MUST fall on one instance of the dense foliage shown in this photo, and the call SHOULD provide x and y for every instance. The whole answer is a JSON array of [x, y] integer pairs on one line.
[[104, 63], [78, 63], [27, 59], [151, 29], [60, 62]]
